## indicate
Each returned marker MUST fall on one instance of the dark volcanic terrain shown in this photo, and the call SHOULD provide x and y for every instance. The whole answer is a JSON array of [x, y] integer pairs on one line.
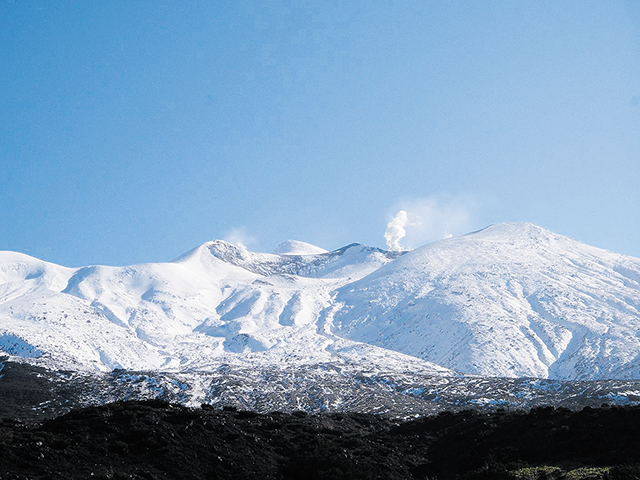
[[31, 393], [158, 440]]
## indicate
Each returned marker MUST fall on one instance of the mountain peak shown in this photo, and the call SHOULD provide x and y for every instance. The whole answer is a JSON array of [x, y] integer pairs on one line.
[[513, 299], [295, 247], [513, 230]]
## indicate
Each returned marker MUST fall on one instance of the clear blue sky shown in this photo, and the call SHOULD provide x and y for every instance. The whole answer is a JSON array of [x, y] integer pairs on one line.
[[133, 131]]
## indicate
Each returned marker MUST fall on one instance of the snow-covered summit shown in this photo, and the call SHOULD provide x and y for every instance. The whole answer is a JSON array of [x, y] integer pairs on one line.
[[294, 247], [351, 262], [510, 300]]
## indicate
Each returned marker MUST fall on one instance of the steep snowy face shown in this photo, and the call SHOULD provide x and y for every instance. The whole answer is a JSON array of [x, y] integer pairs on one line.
[[510, 300]]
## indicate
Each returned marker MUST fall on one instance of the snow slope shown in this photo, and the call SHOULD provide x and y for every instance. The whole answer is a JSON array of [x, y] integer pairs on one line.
[[216, 304], [511, 300]]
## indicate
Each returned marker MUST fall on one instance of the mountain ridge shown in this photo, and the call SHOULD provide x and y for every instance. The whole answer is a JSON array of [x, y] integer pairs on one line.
[[510, 300]]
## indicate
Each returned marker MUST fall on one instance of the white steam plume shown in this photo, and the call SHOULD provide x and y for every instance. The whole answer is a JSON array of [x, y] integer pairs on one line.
[[239, 238], [395, 231], [425, 220]]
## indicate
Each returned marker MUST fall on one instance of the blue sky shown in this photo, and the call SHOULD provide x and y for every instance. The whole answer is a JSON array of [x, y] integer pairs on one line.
[[133, 131]]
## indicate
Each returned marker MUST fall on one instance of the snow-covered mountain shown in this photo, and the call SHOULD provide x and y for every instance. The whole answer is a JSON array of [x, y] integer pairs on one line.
[[511, 300], [216, 304]]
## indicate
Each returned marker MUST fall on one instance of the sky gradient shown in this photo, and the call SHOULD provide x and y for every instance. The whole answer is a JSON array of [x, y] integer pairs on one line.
[[133, 131]]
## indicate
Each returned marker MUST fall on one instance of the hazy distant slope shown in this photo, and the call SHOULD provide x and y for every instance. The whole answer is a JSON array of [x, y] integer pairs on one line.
[[510, 300]]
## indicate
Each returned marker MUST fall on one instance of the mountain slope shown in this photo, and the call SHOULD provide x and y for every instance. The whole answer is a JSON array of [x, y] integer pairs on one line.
[[510, 300]]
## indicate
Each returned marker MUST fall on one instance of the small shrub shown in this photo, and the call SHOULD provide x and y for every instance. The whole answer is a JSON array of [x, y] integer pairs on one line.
[[538, 473], [588, 473]]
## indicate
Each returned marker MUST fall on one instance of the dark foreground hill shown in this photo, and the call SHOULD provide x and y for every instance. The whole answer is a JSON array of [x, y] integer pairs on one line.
[[158, 440]]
